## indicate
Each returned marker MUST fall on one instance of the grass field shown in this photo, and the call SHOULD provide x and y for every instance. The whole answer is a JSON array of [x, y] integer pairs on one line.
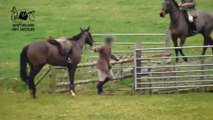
[[64, 18], [64, 107]]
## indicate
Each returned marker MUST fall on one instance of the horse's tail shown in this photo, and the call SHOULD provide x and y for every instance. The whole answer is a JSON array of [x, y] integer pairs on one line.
[[23, 64]]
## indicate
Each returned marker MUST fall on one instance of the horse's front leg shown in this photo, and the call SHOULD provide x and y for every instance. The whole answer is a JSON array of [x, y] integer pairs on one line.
[[205, 43], [72, 69], [182, 41], [174, 39]]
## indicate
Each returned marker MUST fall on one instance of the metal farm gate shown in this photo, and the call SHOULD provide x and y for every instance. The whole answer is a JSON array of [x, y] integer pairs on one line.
[[160, 74]]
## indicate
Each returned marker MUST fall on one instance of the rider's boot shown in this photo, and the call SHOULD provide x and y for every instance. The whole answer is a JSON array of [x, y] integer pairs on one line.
[[193, 28]]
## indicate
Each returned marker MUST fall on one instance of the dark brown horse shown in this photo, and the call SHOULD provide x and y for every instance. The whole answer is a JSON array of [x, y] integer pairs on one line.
[[41, 53], [180, 29]]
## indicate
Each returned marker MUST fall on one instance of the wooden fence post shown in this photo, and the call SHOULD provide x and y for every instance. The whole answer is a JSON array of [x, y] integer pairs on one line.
[[121, 73], [138, 63], [167, 39], [150, 75], [92, 70], [53, 79]]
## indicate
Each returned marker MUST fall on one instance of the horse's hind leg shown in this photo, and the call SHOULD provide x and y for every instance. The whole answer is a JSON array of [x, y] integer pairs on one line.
[[33, 72], [211, 43]]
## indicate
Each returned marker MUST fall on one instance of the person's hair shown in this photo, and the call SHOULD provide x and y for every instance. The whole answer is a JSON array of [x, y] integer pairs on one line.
[[108, 39]]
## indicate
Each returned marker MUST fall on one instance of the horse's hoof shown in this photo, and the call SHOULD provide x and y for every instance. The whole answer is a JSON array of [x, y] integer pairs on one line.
[[72, 93]]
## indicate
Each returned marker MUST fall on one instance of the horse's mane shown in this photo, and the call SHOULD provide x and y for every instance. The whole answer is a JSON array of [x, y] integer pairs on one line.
[[176, 4], [76, 37]]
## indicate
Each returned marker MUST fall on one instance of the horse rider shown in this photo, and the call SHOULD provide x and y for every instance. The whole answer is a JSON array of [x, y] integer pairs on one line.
[[103, 63], [190, 7]]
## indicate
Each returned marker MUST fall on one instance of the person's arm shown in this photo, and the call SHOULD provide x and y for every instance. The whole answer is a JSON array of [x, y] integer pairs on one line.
[[191, 3], [97, 49], [114, 58]]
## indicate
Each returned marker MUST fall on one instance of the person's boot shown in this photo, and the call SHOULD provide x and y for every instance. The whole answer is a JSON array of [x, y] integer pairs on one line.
[[193, 29], [106, 80], [100, 88]]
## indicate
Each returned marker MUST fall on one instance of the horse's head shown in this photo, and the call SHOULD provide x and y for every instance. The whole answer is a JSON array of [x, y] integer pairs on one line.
[[166, 7], [89, 39]]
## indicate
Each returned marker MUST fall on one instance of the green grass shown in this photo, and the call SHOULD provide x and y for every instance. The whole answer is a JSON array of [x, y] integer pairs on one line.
[[64, 107]]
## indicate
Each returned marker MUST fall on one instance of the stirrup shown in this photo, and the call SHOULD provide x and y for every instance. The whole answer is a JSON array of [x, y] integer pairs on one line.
[[69, 60]]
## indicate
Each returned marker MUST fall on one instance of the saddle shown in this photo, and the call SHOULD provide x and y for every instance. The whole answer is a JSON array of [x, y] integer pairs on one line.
[[64, 46]]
